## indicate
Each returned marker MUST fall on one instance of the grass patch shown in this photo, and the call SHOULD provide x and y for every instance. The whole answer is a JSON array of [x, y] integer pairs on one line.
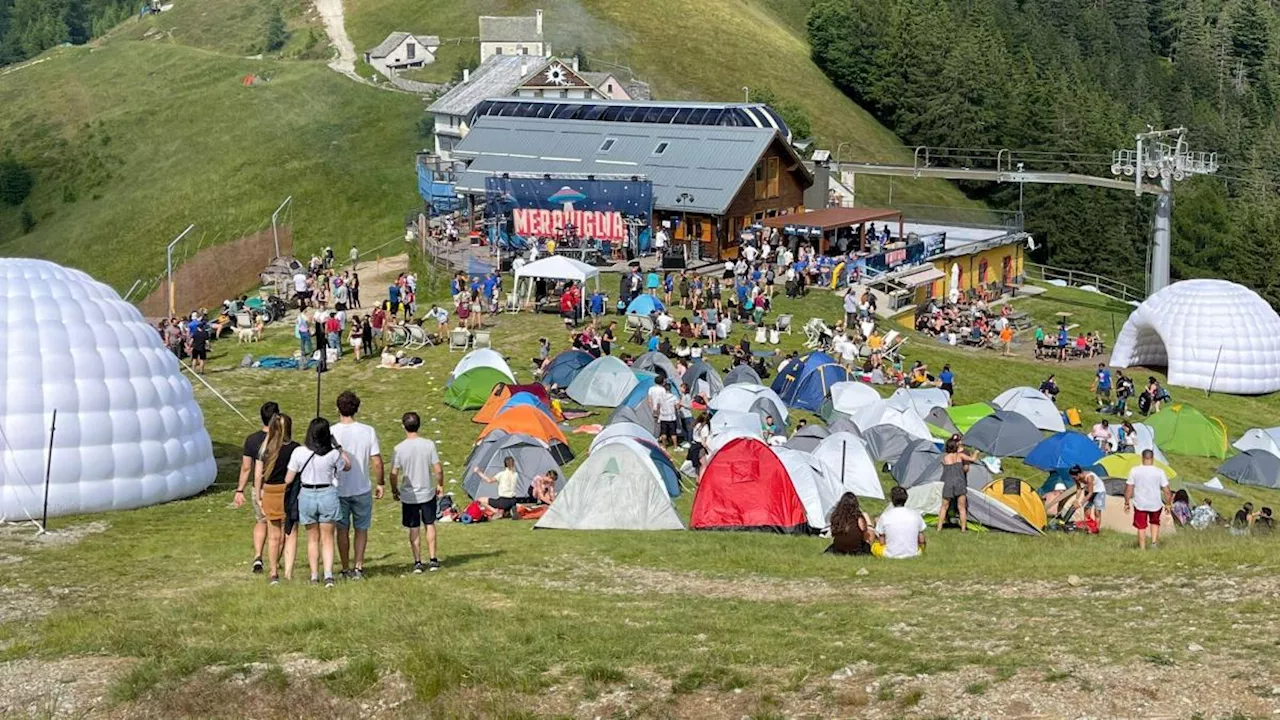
[[1161, 659], [602, 674], [911, 698], [274, 678], [356, 678], [719, 678], [1054, 676], [137, 682], [977, 688]]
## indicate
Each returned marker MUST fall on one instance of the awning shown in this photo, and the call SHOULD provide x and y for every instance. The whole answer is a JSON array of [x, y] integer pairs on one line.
[[921, 276]]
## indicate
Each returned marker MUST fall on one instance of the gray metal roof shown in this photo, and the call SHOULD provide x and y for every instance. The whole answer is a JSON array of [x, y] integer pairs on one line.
[[509, 29], [394, 39], [499, 76], [709, 163]]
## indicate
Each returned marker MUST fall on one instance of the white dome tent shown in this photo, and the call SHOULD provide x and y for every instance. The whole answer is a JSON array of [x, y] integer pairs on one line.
[[1210, 334], [129, 433]]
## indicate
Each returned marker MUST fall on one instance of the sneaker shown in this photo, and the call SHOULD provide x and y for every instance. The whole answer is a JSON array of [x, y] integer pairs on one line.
[[357, 574], [345, 574], [274, 580], [328, 582], [684, 446], [418, 568], [315, 581], [434, 565], [257, 566]]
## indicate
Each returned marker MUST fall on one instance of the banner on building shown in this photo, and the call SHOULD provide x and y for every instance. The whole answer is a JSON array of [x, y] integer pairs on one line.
[[552, 207]]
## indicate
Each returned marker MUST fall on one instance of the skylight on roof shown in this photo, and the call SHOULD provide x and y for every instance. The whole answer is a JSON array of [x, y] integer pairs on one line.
[[662, 147], [606, 145]]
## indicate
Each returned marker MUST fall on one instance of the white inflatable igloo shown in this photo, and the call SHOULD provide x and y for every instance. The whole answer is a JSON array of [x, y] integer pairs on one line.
[[129, 432], [1210, 334]]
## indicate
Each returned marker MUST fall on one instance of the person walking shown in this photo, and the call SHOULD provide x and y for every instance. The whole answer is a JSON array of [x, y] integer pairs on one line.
[[1146, 492], [302, 331], [954, 481], [1102, 387], [315, 465], [356, 492], [270, 469], [251, 451], [417, 481]]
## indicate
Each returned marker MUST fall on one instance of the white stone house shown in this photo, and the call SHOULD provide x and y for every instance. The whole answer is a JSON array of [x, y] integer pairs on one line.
[[403, 50], [512, 35]]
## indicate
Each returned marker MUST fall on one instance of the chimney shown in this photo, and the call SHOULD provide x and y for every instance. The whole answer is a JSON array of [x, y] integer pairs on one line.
[[524, 68], [466, 75], [538, 14], [574, 64]]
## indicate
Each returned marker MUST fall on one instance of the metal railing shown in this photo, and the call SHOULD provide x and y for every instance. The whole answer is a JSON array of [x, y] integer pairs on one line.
[[1076, 278]]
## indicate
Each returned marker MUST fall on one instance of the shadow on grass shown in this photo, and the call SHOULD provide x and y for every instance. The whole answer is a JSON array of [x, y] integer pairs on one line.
[[393, 567]]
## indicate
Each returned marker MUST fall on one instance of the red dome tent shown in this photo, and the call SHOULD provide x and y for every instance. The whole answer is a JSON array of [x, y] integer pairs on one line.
[[746, 487]]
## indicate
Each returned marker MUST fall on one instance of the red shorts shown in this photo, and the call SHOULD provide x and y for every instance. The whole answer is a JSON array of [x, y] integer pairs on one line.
[[1141, 518]]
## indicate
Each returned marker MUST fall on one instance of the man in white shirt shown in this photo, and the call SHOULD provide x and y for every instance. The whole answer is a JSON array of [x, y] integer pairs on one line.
[[300, 289], [355, 491], [749, 253], [656, 392], [417, 481], [1147, 493], [850, 308], [668, 426], [664, 321], [900, 530]]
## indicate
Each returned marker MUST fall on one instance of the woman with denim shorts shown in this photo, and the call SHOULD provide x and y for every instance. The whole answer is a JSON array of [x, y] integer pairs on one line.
[[315, 467]]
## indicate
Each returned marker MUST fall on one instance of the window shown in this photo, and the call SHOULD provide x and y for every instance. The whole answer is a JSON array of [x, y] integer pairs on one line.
[[982, 271], [774, 191], [609, 88], [524, 50], [497, 50], [607, 145], [409, 50], [564, 93], [662, 147], [761, 186]]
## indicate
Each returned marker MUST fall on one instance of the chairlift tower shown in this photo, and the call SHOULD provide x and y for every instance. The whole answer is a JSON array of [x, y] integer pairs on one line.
[[1163, 155]]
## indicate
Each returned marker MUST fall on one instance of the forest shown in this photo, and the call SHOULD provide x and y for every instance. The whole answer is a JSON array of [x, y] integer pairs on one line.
[[1064, 83], [29, 27]]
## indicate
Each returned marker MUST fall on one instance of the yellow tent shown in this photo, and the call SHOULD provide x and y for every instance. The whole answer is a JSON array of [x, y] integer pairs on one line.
[[1019, 496]]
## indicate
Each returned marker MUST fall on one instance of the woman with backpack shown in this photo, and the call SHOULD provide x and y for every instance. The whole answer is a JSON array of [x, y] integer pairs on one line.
[[315, 467]]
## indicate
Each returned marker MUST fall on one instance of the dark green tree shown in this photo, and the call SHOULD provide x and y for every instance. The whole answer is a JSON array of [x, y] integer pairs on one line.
[[276, 34], [16, 180]]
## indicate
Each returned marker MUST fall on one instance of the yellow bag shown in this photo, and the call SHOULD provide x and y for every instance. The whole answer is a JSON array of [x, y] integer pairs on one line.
[[1073, 417]]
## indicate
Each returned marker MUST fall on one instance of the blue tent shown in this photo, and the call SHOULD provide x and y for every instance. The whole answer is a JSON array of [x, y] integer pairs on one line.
[[565, 367], [806, 383], [524, 398], [641, 391], [1063, 450], [644, 305]]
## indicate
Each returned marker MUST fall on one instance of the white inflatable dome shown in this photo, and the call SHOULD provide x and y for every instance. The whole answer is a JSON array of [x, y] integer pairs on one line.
[[129, 432], [1210, 334]]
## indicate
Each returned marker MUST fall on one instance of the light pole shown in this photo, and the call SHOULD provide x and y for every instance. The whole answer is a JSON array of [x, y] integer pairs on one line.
[[684, 199], [838, 149], [274, 236], [746, 94], [168, 263]]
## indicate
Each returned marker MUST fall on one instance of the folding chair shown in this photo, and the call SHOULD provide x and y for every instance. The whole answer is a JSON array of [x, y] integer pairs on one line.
[[459, 339], [783, 324], [481, 339], [398, 336], [633, 322], [244, 320], [418, 337], [513, 303], [812, 334]]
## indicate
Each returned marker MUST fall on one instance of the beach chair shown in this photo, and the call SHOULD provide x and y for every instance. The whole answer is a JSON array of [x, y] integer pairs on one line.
[[893, 342], [813, 333], [481, 339], [418, 337], [783, 324], [397, 336], [459, 339], [513, 303]]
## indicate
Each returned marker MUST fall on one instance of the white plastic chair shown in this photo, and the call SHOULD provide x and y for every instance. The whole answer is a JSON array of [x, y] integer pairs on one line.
[[481, 339], [459, 339]]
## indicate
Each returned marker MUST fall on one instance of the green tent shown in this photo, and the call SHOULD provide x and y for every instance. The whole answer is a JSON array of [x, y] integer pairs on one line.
[[966, 416], [1182, 429], [472, 388]]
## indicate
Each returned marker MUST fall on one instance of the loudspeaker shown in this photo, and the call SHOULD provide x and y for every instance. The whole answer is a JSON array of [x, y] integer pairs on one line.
[[673, 261]]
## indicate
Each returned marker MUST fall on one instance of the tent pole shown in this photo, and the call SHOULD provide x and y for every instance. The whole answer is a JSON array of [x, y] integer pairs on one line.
[[1214, 376], [48, 471], [844, 456]]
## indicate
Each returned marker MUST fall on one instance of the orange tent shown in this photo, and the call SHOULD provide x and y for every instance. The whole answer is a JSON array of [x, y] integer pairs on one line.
[[529, 420], [502, 392]]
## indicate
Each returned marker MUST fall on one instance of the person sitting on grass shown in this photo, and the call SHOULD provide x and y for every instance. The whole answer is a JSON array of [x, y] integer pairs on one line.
[[899, 530], [507, 480], [1204, 515], [543, 489], [851, 532], [415, 464], [1181, 508], [1243, 520]]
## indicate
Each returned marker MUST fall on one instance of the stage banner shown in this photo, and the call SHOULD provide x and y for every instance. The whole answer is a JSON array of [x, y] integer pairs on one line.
[[600, 209]]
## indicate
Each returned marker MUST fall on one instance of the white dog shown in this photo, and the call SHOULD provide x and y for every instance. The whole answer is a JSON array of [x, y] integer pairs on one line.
[[248, 335]]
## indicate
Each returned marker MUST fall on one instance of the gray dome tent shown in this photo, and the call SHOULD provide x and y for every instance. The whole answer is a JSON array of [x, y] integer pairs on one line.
[[921, 463], [885, 443], [1004, 433], [982, 509], [703, 379], [939, 418], [640, 415], [606, 382], [532, 457], [1253, 467], [807, 438], [742, 375], [846, 425], [618, 487], [652, 362]]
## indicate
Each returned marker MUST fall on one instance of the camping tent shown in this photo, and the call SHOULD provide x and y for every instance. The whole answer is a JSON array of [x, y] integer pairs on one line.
[[1120, 464], [851, 464], [815, 483], [703, 379], [645, 305], [966, 416], [982, 509], [885, 443], [921, 463], [129, 431], [565, 367], [886, 413], [1034, 406], [644, 382], [1182, 429], [482, 358], [742, 374], [1003, 433], [1253, 467], [1019, 496], [743, 397], [940, 423], [606, 382], [850, 397], [663, 465], [529, 420], [472, 389], [745, 486], [532, 456], [616, 488], [641, 415], [651, 362], [1145, 439], [554, 267], [1260, 439], [1210, 334], [922, 400], [622, 429], [1062, 451], [501, 393], [844, 425], [806, 439], [727, 420], [806, 382]]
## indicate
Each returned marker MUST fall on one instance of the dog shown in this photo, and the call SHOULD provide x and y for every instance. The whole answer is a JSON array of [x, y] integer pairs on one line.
[[248, 335]]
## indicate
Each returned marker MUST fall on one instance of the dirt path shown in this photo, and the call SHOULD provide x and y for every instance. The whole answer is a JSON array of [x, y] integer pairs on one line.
[[331, 13]]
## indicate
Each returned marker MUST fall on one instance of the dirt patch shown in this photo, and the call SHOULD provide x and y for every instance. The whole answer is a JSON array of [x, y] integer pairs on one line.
[[1218, 588], [23, 602], [72, 687], [25, 534]]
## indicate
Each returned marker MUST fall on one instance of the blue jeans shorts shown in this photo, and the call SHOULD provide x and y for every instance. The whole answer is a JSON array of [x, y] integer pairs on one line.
[[356, 511], [318, 505]]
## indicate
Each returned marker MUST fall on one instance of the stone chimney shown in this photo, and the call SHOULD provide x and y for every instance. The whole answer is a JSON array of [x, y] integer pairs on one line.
[[574, 63], [466, 75], [538, 14]]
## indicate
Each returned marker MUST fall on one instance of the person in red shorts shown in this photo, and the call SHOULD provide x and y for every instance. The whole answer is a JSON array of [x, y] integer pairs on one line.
[[1147, 493]]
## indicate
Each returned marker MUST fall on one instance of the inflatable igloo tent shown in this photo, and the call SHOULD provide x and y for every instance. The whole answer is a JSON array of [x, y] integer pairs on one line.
[[129, 432], [1210, 334]]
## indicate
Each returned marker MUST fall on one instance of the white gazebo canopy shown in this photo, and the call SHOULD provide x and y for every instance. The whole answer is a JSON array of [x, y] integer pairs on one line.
[[558, 267]]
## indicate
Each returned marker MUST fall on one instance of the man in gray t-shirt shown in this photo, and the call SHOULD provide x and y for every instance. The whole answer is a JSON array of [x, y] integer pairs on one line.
[[416, 481]]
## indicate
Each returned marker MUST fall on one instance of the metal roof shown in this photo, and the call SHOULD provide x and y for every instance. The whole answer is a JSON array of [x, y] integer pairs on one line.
[[498, 76], [832, 218], [394, 39], [509, 29], [662, 112], [710, 163]]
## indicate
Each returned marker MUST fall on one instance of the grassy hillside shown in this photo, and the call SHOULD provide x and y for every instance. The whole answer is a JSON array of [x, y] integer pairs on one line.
[[704, 50], [132, 141]]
